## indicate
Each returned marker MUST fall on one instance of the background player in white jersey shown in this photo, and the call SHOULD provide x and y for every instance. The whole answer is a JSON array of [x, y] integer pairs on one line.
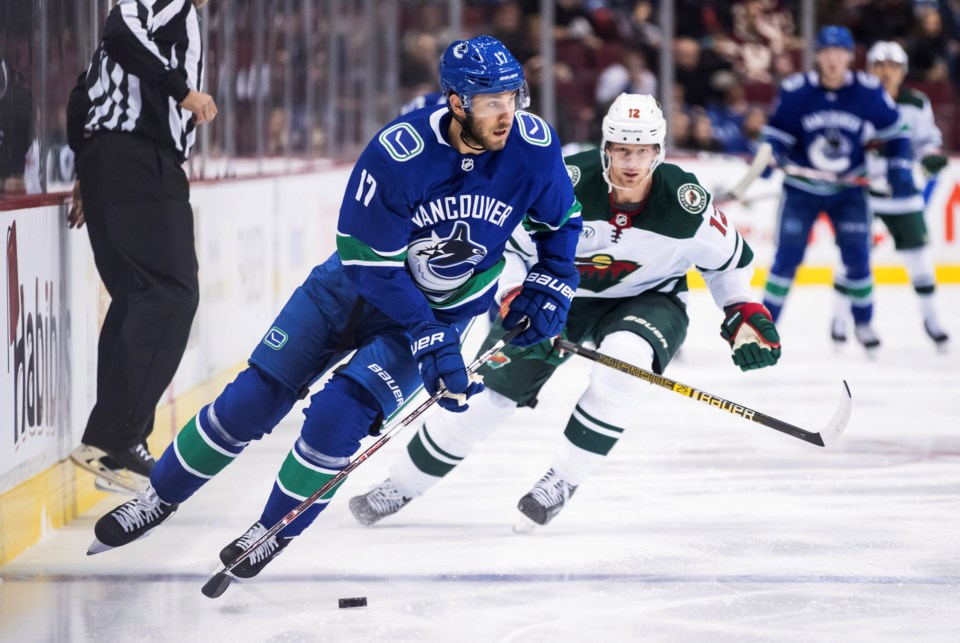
[[428, 209], [646, 223], [903, 216], [820, 126]]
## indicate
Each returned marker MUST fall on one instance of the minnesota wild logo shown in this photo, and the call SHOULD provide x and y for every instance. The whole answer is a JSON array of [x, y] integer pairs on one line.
[[602, 271], [498, 360]]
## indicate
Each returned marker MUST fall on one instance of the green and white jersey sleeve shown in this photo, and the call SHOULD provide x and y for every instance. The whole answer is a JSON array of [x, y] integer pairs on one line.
[[925, 138], [621, 255]]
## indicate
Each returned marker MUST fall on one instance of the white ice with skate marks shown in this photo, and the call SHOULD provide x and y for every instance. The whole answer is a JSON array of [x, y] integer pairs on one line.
[[700, 526]]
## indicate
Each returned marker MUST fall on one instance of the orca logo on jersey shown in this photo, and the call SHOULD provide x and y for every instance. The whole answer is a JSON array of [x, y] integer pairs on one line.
[[439, 265], [830, 151]]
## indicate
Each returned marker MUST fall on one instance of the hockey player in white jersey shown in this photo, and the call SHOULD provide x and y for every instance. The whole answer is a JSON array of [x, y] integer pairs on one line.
[[646, 223], [903, 217], [820, 126]]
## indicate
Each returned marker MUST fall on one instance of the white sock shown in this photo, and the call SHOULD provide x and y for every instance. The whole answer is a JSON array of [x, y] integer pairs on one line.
[[606, 408], [445, 439]]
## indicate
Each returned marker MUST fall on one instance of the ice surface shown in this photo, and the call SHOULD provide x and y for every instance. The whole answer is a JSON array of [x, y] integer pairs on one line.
[[699, 526]]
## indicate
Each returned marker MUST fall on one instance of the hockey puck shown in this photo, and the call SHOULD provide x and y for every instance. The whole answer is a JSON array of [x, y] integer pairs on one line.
[[360, 601]]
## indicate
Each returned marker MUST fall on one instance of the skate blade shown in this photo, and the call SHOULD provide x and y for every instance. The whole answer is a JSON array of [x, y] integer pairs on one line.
[[524, 525], [88, 460], [97, 547], [102, 484]]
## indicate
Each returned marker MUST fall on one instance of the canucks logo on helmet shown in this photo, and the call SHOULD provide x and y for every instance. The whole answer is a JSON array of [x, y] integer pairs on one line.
[[440, 265]]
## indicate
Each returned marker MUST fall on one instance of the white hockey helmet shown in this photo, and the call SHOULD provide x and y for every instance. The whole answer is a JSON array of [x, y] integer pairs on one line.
[[887, 51], [635, 119]]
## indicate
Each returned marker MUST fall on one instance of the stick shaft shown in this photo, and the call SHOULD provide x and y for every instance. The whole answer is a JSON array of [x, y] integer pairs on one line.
[[373, 448], [715, 401]]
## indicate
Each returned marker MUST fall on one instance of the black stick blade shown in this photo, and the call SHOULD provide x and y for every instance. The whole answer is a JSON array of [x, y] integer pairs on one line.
[[216, 586]]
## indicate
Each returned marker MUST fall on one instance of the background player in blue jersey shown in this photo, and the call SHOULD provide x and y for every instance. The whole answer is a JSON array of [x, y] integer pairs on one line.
[[820, 126], [903, 217], [427, 212]]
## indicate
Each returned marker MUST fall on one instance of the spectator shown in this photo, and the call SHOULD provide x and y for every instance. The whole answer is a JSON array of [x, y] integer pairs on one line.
[[927, 48], [16, 129], [760, 33], [507, 27], [639, 28], [701, 133], [882, 20], [727, 115], [631, 76], [753, 123], [694, 67]]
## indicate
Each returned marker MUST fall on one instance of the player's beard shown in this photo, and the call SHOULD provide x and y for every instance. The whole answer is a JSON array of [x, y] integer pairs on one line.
[[476, 139]]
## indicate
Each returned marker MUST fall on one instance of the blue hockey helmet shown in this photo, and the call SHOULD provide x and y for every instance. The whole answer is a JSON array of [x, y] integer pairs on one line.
[[834, 36], [481, 65]]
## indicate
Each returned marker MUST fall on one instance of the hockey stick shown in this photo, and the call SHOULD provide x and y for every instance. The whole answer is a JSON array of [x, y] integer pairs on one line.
[[757, 167], [220, 581], [849, 180], [827, 435]]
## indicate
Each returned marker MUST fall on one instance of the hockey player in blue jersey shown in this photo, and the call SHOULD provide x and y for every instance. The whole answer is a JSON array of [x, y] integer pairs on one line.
[[427, 212], [820, 125]]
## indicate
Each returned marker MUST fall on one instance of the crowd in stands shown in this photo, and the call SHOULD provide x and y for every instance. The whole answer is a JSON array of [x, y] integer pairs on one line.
[[729, 56]]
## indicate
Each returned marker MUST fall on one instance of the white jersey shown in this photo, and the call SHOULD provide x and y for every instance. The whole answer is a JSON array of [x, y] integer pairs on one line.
[[622, 254], [925, 139]]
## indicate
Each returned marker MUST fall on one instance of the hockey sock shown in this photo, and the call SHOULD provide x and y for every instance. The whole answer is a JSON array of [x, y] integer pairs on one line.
[[860, 292], [603, 411], [775, 294], [339, 416], [919, 264], [444, 441], [248, 408], [303, 472], [200, 451]]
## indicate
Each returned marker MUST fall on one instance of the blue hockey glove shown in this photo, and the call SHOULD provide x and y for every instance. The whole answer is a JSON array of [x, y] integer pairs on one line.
[[900, 180], [545, 299], [436, 347], [750, 331]]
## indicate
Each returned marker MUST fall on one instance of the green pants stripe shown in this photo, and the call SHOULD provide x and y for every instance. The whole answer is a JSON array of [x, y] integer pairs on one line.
[[299, 479], [198, 454]]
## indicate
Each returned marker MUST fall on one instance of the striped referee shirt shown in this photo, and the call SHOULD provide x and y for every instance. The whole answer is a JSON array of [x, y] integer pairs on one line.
[[148, 61]]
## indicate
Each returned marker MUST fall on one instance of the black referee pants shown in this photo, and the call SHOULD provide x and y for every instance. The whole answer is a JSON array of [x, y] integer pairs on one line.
[[140, 223]]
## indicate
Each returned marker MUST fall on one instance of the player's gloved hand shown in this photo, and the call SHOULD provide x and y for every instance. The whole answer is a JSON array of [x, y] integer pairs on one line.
[[545, 299], [933, 163], [900, 180], [436, 347], [752, 335]]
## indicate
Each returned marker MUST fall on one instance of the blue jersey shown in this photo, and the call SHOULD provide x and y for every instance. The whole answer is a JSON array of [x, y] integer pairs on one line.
[[422, 227], [828, 130]]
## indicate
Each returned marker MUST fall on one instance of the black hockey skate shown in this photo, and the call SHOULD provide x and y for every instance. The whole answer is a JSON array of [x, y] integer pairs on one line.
[[381, 501], [124, 470], [258, 559], [937, 334], [544, 501], [131, 521]]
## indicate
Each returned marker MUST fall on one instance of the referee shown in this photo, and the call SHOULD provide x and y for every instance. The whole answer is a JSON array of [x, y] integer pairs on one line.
[[132, 121]]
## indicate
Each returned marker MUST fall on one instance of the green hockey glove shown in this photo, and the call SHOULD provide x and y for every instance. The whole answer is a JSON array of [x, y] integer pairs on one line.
[[752, 335]]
